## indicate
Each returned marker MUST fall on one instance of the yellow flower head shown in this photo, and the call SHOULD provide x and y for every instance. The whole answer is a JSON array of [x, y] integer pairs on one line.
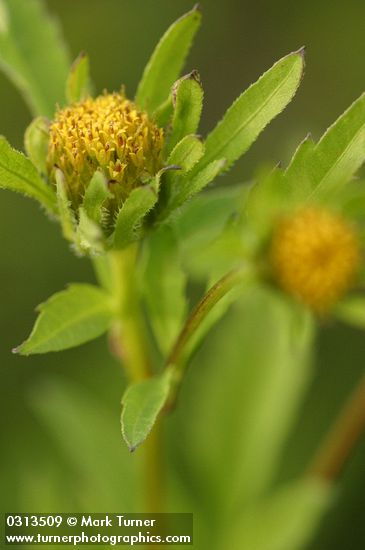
[[315, 256], [108, 133]]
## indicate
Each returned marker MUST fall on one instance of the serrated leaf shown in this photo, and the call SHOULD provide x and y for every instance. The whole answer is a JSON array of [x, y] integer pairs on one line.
[[298, 181], [33, 55], [69, 318], [164, 284], [66, 214], [167, 61], [96, 194], [36, 140], [89, 235], [78, 85], [286, 520], [186, 153], [131, 215], [17, 173], [253, 110], [141, 404], [340, 152], [163, 113], [351, 310], [192, 184], [188, 103]]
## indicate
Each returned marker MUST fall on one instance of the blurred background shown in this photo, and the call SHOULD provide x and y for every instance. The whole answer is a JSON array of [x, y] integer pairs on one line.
[[61, 447]]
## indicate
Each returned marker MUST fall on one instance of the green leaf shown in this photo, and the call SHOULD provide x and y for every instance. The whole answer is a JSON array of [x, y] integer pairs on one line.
[[186, 154], [67, 216], [69, 318], [141, 404], [78, 85], [89, 235], [96, 194], [192, 184], [167, 61], [17, 173], [188, 103], [130, 218], [33, 55], [253, 110], [286, 520], [351, 310], [267, 197], [298, 183], [252, 397], [36, 140], [164, 286], [340, 152], [163, 113]]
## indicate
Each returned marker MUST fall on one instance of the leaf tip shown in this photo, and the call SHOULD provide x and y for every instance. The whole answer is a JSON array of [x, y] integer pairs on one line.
[[302, 51]]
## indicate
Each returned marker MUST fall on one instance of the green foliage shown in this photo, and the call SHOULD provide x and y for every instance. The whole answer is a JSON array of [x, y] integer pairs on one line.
[[67, 217], [285, 520], [340, 152], [36, 140], [89, 235], [131, 215], [253, 110], [69, 318], [96, 194], [32, 54], [167, 61], [142, 402], [351, 310], [186, 154], [78, 85], [164, 284], [17, 173], [188, 103], [189, 185], [58, 404], [252, 394]]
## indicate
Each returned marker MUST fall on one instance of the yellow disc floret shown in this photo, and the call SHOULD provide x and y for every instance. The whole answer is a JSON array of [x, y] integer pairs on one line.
[[315, 255], [107, 133]]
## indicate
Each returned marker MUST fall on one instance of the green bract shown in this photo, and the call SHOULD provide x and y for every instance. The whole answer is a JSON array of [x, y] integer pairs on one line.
[[132, 202], [189, 163]]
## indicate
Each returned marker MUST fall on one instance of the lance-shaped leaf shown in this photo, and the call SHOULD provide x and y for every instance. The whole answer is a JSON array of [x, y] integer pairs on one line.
[[36, 140], [130, 217], [253, 110], [164, 284], [69, 318], [17, 173], [185, 155], [192, 184], [141, 404], [89, 235], [298, 183], [340, 152], [96, 194], [32, 54], [78, 85], [167, 61], [188, 103], [66, 214]]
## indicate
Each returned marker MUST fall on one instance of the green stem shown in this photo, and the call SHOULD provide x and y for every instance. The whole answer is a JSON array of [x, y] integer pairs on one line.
[[130, 340], [178, 355], [342, 437], [129, 329]]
